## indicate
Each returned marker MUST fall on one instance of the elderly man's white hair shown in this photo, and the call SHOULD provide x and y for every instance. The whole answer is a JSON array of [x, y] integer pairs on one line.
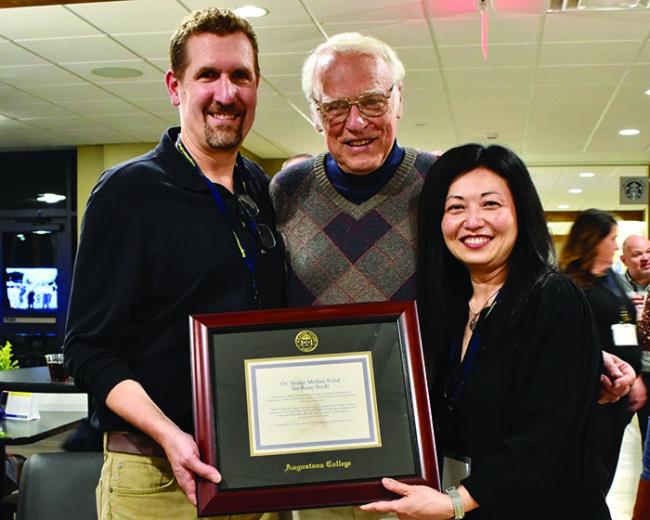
[[346, 43]]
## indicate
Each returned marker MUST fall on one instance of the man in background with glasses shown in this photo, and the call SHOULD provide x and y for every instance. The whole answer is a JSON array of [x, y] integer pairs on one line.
[[184, 229]]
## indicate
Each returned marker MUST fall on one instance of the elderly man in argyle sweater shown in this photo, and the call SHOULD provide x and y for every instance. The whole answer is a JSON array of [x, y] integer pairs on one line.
[[349, 216]]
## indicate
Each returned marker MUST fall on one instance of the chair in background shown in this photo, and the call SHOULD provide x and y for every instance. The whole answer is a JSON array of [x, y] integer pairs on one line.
[[59, 486]]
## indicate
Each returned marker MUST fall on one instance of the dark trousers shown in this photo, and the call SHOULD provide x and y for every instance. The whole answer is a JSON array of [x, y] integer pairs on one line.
[[611, 420]]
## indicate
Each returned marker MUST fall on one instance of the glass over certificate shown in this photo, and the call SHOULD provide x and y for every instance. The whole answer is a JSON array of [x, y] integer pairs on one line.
[[310, 407], [315, 403]]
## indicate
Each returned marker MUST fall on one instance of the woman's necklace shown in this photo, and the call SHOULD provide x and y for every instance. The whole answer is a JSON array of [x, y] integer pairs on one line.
[[474, 315]]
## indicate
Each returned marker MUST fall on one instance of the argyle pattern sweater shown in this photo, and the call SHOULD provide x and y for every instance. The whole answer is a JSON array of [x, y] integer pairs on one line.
[[341, 252]]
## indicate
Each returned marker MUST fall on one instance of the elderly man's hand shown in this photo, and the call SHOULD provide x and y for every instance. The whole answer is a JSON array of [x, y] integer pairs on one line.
[[617, 380]]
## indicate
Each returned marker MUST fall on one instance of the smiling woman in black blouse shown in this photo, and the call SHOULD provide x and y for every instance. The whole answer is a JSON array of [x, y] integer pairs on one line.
[[511, 347]]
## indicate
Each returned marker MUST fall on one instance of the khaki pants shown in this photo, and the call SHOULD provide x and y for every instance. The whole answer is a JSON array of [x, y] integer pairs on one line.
[[137, 487]]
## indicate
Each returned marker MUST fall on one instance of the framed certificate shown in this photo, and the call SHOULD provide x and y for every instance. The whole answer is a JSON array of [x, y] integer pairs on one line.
[[310, 407]]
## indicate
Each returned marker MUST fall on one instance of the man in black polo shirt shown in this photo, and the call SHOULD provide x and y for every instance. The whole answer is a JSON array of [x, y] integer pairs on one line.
[[186, 228]]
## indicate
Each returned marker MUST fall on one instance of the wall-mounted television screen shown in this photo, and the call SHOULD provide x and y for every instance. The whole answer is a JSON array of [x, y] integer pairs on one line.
[[31, 288]]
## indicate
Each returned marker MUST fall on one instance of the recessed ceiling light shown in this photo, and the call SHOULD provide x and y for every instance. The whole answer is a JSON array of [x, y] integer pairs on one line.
[[629, 131], [41, 232], [250, 11], [50, 198], [587, 174], [647, 92], [117, 72], [563, 206], [575, 191]]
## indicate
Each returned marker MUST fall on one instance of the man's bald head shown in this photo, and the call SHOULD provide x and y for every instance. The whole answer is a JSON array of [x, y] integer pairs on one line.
[[636, 257]]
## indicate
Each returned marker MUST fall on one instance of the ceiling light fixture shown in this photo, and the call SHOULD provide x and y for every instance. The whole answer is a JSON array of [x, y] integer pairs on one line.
[[587, 174], [117, 72], [50, 198], [647, 92], [41, 232], [629, 132], [563, 206], [250, 11], [575, 191]]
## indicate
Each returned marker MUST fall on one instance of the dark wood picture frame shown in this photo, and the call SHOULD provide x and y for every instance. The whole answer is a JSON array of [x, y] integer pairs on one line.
[[267, 489]]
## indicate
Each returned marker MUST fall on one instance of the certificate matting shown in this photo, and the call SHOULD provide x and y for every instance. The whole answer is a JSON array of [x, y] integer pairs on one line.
[[298, 404], [311, 478]]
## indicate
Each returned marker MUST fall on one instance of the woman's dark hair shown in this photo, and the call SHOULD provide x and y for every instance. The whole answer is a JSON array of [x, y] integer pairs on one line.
[[579, 253], [443, 281]]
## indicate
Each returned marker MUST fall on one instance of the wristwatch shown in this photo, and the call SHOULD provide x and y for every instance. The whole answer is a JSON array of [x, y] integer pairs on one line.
[[456, 502]]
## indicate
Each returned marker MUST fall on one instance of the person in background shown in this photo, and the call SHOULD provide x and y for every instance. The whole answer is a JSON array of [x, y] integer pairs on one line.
[[642, 502], [636, 281], [184, 229], [496, 318], [295, 159], [587, 258]]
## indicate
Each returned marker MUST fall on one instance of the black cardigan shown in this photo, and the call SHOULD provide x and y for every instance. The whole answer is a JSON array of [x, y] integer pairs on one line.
[[525, 414]]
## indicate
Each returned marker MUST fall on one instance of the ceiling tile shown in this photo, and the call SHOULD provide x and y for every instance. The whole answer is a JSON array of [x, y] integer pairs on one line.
[[415, 97], [639, 73], [411, 33], [282, 63], [423, 79], [42, 22], [297, 38], [496, 77], [288, 84], [73, 92], [99, 107], [138, 89], [587, 53], [78, 49], [153, 46], [85, 69], [478, 95], [467, 30], [418, 57], [12, 53], [552, 94], [564, 27], [132, 17], [30, 110], [11, 95], [281, 12], [470, 56], [23, 75], [580, 75], [332, 11], [129, 121]]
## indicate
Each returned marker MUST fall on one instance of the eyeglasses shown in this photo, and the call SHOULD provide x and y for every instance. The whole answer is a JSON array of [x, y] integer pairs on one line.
[[370, 105], [263, 232]]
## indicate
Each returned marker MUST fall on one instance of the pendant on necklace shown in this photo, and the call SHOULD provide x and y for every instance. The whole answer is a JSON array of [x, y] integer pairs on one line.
[[473, 322]]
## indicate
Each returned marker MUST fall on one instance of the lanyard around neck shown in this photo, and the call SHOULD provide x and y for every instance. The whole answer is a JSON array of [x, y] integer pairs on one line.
[[249, 259]]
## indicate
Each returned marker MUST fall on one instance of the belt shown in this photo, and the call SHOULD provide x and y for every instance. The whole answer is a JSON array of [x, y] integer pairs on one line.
[[134, 444]]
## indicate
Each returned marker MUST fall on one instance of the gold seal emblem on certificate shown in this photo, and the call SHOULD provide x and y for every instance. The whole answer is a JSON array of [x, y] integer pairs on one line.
[[306, 341]]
